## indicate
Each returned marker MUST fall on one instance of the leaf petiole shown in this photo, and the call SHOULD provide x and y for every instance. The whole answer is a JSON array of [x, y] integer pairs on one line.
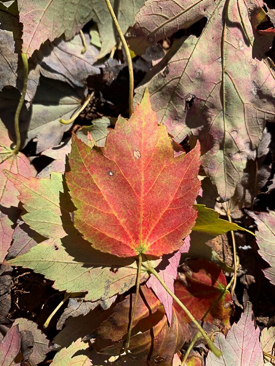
[[211, 345], [132, 316], [128, 56], [77, 113], [21, 103], [47, 322]]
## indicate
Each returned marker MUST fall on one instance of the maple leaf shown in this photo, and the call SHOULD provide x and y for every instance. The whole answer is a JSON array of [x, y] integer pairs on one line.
[[6, 232], [241, 347], [10, 346], [65, 257], [151, 335], [265, 237], [41, 198], [10, 39], [16, 163], [133, 196], [205, 292], [8, 193], [98, 274], [39, 345], [208, 222], [61, 60], [69, 17], [168, 273], [158, 20], [268, 340], [224, 96], [71, 356]]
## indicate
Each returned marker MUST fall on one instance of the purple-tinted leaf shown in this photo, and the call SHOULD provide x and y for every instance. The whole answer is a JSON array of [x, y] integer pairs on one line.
[[223, 97], [241, 346], [159, 19], [63, 61], [47, 110], [40, 346], [167, 270], [265, 237], [10, 346], [24, 238], [5, 293], [16, 163], [256, 175]]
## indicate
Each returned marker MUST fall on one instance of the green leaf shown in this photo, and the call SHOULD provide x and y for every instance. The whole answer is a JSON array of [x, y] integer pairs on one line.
[[53, 100], [100, 275], [96, 133], [68, 357], [208, 222], [41, 198]]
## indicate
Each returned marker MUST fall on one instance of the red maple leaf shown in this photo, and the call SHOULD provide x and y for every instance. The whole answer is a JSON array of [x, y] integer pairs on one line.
[[134, 196]]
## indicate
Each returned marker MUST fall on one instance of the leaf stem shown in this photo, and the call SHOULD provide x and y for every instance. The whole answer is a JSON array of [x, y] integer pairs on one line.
[[191, 345], [84, 49], [211, 345], [21, 103], [77, 113], [235, 256], [128, 56], [47, 322], [127, 343]]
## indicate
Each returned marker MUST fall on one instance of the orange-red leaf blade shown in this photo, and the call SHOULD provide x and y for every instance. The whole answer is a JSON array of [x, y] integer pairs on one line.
[[134, 196]]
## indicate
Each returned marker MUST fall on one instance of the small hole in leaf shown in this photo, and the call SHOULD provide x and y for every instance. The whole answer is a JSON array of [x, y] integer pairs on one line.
[[110, 173], [137, 154]]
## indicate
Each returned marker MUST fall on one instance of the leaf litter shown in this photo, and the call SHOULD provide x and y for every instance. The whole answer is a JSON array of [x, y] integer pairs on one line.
[[219, 91]]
